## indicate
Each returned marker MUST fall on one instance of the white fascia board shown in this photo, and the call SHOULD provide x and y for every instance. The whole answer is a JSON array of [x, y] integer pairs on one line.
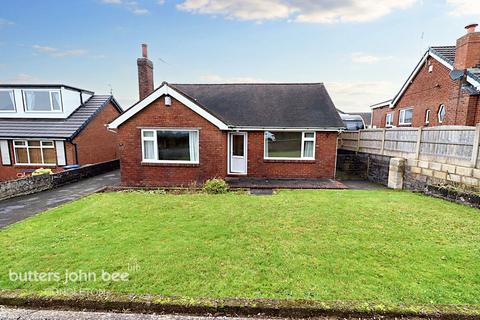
[[332, 129], [166, 90], [407, 83], [380, 105], [443, 62], [473, 82]]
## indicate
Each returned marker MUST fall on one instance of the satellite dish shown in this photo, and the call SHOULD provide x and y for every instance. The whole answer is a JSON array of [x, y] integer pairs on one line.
[[457, 74]]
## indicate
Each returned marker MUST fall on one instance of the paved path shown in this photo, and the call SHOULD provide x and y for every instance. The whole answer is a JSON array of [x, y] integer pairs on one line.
[[16, 209], [25, 314]]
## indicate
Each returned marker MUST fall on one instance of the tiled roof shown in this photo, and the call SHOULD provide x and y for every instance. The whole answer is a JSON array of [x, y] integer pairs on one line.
[[291, 105], [447, 53], [55, 128]]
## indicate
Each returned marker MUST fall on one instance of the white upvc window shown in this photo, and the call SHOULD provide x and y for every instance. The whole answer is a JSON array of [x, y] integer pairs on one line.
[[441, 113], [41, 100], [7, 101], [389, 120], [35, 152], [289, 145], [170, 146], [405, 116], [427, 116]]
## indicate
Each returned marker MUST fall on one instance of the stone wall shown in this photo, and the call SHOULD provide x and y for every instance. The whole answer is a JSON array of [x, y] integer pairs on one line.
[[14, 188], [362, 166], [419, 174]]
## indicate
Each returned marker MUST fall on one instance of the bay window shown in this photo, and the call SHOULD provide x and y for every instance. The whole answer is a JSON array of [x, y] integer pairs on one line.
[[170, 146], [7, 100], [289, 145], [42, 100], [34, 152]]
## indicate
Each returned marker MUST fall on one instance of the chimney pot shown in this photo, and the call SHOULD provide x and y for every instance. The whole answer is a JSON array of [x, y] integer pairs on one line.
[[471, 27], [144, 50]]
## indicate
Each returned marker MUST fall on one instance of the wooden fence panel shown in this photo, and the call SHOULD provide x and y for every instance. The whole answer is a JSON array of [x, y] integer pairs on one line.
[[458, 145]]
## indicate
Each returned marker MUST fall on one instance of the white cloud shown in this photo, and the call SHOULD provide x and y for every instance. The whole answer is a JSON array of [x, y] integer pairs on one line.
[[5, 23], [240, 9], [309, 11], [132, 6], [21, 78], [214, 78], [358, 96], [57, 53], [364, 58], [464, 7]]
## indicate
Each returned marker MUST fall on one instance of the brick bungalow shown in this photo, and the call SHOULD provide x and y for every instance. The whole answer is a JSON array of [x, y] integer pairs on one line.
[[53, 126], [443, 89], [180, 134]]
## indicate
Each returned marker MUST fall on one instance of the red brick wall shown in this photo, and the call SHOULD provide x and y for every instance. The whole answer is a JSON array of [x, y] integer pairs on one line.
[[95, 143], [322, 167], [468, 51], [213, 151], [213, 147], [428, 91]]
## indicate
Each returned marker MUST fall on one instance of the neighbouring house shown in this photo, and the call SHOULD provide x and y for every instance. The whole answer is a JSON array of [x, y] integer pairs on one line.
[[180, 134], [443, 89], [356, 120], [53, 126]]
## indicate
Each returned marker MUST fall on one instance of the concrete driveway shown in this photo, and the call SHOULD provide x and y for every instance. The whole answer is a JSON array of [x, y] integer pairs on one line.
[[16, 209]]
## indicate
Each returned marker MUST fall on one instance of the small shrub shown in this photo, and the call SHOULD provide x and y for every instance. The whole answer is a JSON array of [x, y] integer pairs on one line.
[[41, 171], [215, 186]]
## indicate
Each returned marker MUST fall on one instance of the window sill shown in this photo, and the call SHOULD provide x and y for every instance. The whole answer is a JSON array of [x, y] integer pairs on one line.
[[289, 160], [167, 164], [23, 165]]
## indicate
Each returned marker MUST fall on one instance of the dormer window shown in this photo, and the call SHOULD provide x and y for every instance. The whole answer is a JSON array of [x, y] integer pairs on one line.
[[42, 100], [7, 101]]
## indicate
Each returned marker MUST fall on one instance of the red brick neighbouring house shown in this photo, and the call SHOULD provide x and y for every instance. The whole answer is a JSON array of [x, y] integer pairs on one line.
[[53, 126], [187, 133], [443, 89]]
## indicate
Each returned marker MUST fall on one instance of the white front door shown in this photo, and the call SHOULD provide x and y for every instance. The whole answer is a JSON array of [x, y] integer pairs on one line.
[[238, 152]]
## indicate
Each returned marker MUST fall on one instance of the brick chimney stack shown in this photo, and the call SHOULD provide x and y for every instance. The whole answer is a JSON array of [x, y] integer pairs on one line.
[[145, 74], [467, 52]]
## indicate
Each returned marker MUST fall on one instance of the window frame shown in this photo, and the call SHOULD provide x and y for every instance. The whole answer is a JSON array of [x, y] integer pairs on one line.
[[401, 121], [302, 150], [41, 147], [155, 143], [389, 115], [427, 116], [438, 113], [14, 101], [50, 91]]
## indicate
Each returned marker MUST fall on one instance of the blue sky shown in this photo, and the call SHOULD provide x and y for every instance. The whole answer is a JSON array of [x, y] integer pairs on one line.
[[363, 50]]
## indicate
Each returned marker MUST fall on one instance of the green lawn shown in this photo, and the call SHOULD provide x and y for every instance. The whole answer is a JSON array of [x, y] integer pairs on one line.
[[371, 246]]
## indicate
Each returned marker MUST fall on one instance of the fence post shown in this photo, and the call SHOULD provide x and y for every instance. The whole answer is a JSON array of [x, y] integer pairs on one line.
[[358, 140], [419, 142], [476, 142], [384, 131]]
